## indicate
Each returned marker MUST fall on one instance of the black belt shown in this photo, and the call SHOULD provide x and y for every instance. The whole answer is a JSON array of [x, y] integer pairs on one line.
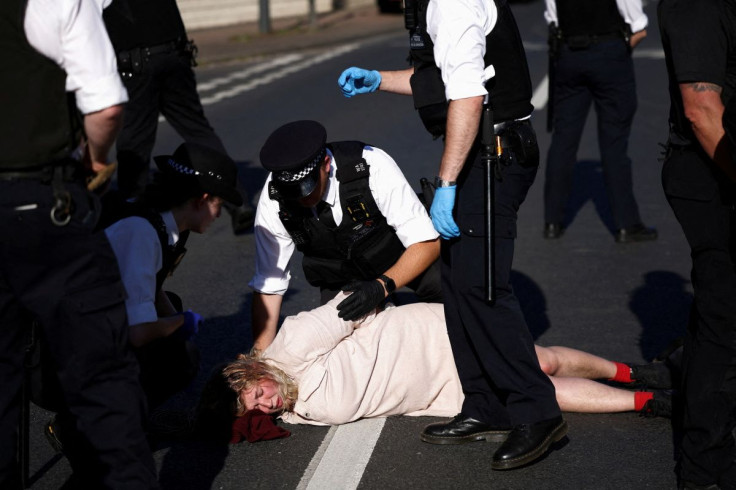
[[146, 51], [585, 40], [42, 174], [161, 48]]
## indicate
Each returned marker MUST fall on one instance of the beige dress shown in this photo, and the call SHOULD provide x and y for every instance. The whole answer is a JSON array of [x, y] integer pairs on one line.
[[397, 362]]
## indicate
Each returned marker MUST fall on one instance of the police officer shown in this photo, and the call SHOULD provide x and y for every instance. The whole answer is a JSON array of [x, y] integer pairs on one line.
[[699, 180], [479, 60], [185, 196], [52, 267], [348, 208], [591, 44], [155, 60]]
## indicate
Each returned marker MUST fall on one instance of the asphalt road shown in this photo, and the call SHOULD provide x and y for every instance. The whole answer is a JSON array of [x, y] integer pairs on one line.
[[624, 302]]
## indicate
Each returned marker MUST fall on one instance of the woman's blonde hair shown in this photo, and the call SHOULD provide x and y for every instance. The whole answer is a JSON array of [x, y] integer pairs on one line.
[[248, 369]]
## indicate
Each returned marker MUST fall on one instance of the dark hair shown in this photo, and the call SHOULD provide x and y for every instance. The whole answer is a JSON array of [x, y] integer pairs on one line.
[[168, 191], [215, 412]]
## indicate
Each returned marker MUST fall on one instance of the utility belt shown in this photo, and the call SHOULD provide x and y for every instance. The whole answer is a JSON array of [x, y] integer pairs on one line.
[[130, 62], [516, 142], [56, 174], [585, 41], [67, 170]]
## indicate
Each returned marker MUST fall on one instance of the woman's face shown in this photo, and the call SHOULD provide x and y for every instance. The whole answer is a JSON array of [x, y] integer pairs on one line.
[[209, 210], [264, 397]]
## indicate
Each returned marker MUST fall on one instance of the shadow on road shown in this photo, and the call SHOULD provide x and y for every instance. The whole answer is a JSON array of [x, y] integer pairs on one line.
[[533, 303], [662, 306], [588, 185]]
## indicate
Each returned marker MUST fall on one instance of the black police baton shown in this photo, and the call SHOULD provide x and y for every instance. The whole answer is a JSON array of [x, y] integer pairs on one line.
[[489, 158]]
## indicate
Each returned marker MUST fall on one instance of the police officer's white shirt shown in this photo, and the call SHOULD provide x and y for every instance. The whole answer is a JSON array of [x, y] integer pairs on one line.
[[138, 250], [72, 34], [394, 197], [631, 10], [458, 29]]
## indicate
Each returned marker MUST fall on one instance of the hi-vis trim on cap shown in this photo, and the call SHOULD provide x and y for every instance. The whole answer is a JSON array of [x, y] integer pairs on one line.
[[286, 176], [182, 169]]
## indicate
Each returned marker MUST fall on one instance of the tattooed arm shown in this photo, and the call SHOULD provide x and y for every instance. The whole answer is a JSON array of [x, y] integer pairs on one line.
[[704, 110]]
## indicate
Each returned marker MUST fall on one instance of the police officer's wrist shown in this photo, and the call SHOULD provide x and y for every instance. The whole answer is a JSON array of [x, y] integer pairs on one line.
[[388, 284], [443, 183]]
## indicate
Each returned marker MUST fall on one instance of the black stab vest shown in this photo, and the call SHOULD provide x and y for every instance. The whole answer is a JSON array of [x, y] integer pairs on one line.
[[363, 246], [141, 23], [35, 115], [510, 90], [589, 17]]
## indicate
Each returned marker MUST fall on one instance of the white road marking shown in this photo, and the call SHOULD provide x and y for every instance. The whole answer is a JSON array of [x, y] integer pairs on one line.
[[343, 455], [270, 77], [261, 67], [539, 97]]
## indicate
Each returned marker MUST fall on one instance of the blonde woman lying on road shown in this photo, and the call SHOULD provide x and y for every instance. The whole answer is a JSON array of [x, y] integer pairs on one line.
[[323, 370]]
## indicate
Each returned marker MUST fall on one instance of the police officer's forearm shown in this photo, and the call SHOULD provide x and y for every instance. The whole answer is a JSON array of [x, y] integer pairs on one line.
[[396, 82], [636, 38], [704, 109], [102, 128], [463, 120], [265, 312], [415, 260], [141, 334], [163, 305]]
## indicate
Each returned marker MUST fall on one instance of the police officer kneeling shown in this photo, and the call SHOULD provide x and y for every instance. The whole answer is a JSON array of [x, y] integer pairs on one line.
[[348, 208]]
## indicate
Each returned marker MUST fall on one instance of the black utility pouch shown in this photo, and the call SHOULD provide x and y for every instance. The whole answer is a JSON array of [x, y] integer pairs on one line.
[[523, 142], [428, 91]]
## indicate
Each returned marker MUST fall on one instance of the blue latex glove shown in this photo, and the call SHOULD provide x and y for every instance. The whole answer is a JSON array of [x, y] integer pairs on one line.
[[190, 327], [441, 212], [354, 81]]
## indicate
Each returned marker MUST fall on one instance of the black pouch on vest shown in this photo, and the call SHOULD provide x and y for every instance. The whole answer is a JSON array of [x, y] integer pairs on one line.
[[375, 251], [523, 142], [429, 99]]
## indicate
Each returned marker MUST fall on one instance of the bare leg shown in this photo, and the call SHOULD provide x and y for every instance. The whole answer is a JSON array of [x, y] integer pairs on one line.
[[566, 362], [584, 395]]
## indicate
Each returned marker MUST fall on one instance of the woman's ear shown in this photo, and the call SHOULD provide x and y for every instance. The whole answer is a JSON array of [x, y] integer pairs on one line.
[[200, 200]]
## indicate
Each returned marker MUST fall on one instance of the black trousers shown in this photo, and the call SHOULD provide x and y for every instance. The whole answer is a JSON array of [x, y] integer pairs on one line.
[[165, 85], [168, 365], [602, 74], [703, 202], [493, 349], [68, 279]]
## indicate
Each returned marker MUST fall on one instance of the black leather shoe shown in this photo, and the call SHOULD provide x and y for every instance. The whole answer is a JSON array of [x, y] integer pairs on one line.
[[463, 429], [553, 230], [636, 233], [528, 442]]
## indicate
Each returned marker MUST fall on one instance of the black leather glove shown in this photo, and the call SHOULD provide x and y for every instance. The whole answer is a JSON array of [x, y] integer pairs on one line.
[[366, 296]]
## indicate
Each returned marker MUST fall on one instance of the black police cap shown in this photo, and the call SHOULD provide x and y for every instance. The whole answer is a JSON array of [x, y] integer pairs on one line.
[[294, 153], [214, 172]]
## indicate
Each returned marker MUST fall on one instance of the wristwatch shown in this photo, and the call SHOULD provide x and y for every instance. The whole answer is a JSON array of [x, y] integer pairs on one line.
[[388, 284], [443, 183]]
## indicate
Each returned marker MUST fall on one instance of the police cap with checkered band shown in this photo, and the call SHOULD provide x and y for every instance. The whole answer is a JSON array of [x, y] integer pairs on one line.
[[215, 172], [294, 154]]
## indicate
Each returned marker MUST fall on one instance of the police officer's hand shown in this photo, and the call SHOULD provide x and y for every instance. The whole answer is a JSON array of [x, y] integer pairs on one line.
[[355, 81], [441, 212], [367, 295], [190, 327]]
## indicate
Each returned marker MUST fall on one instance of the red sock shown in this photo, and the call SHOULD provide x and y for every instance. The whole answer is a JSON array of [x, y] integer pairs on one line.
[[623, 373], [640, 398]]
